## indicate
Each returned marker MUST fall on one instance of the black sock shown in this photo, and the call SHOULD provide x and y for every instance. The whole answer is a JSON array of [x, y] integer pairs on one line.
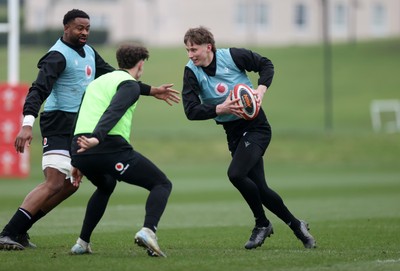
[[155, 204], [262, 222], [151, 223], [35, 218], [17, 224], [294, 224]]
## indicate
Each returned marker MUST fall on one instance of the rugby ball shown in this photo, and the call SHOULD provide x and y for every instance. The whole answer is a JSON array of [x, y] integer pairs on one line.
[[247, 100]]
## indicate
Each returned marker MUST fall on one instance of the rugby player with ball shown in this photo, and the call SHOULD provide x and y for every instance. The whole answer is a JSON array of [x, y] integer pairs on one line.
[[216, 86]]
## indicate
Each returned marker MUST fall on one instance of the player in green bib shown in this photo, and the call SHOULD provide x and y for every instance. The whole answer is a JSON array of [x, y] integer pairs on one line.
[[101, 150]]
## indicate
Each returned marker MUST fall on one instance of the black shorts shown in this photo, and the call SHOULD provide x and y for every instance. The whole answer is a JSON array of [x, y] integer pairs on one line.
[[128, 166], [56, 142], [257, 131], [260, 138]]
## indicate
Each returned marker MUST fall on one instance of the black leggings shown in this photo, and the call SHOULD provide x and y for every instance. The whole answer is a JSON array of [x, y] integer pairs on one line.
[[131, 167], [246, 173]]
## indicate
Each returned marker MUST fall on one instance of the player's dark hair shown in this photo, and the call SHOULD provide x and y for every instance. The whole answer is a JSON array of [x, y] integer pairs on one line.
[[199, 35], [74, 13], [128, 55]]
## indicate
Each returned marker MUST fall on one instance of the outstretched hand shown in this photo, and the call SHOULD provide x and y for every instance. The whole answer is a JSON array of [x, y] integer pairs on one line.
[[166, 92]]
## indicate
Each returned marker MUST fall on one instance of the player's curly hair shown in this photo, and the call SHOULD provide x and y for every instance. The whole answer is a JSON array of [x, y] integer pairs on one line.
[[199, 35], [74, 13], [128, 55]]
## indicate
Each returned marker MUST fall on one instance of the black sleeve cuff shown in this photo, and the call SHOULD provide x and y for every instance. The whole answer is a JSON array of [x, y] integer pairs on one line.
[[144, 89]]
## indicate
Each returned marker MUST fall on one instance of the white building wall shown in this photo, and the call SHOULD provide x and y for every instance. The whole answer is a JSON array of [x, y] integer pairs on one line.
[[164, 22]]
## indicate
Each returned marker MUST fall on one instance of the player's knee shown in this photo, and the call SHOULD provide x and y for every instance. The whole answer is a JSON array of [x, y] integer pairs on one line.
[[54, 181], [235, 176], [167, 185], [53, 186], [107, 185], [164, 187]]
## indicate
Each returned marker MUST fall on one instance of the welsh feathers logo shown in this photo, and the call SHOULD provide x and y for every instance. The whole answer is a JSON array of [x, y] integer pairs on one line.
[[221, 89]]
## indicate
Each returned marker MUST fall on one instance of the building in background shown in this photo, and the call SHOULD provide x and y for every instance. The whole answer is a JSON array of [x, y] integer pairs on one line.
[[255, 22]]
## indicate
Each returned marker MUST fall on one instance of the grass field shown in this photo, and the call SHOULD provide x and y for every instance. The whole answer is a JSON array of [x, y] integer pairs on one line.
[[345, 182]]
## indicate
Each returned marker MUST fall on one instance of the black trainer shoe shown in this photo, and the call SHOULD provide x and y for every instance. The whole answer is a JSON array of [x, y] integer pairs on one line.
[[24, 240], [304, 236], [258, 235], [7, 243]]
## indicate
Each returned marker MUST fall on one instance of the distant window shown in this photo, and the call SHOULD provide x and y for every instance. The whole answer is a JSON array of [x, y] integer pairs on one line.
[[254, 13], [262, 14], [41, 20], [339, 15], [100, 21], [339, 18], [379, 17], [241, 14], [300, 16]]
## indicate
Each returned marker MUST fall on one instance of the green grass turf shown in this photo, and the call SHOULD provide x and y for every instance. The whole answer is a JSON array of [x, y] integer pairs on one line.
[[344, 182], [354, 217]]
